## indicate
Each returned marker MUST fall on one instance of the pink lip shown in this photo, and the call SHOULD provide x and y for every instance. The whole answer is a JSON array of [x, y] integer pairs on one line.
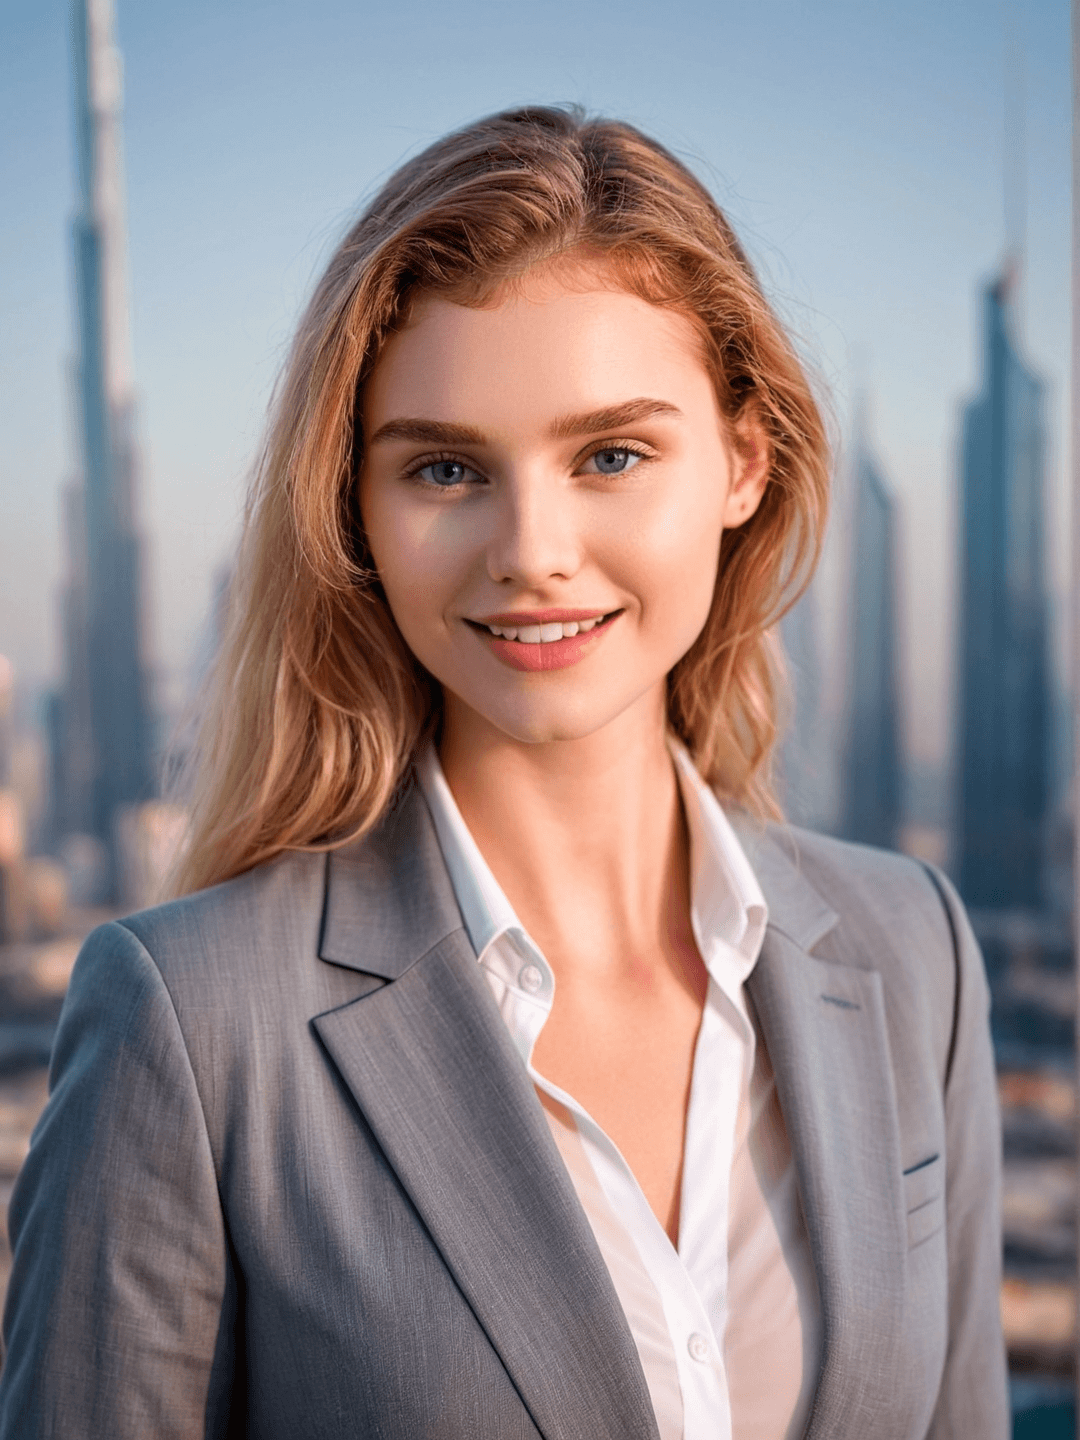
[[540, 617], [557, 654]]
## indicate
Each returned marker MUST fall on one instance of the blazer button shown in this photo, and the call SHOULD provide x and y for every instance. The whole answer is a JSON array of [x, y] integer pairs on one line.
[[530, 979], [698, 1347]]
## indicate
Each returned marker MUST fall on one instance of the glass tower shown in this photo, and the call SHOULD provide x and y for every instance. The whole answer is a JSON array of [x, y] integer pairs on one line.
[[1004, 710], [871, 763], [100, 721]]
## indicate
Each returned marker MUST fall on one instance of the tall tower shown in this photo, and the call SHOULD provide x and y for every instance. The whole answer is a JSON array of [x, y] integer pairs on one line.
[[804, 756], [101, 726], [1004, 712], [871, 768]]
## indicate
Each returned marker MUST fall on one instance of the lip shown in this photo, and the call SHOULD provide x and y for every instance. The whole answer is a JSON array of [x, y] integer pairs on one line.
[[556, 654], [542, 617]]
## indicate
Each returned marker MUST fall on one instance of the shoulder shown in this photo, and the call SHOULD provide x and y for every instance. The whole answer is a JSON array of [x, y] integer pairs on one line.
[[901, 918], [815, 884], [903, 902], [292, 935], [214, 947], [874, 886], [273, 907]]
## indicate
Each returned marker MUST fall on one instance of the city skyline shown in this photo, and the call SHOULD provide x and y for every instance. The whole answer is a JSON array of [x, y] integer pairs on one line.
[[871, 201], [872, 761], [1006, 688]]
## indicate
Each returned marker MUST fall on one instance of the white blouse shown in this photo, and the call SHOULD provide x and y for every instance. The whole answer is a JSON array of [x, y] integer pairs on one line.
[[728, 1325]]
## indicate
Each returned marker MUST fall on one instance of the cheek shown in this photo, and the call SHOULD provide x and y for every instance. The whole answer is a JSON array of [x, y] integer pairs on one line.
[[427, 560], [404, 544], [676, 552], [389, 533]]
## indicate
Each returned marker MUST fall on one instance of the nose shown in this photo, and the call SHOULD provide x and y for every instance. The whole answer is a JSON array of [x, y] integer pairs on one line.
[[536, 536]]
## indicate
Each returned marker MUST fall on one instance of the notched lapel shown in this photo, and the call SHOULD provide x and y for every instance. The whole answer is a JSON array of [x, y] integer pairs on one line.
[[824, 1029], [433, 1069], [389, 899]]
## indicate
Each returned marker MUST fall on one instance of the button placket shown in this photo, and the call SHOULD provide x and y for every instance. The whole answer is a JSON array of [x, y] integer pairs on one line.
[[698, 1348], [531, 979]]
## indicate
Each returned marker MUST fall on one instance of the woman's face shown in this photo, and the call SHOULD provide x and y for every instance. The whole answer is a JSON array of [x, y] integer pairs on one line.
[[553, 467]]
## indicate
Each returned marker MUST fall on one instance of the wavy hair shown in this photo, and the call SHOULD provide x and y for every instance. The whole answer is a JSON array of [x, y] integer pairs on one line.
[[316, 706]]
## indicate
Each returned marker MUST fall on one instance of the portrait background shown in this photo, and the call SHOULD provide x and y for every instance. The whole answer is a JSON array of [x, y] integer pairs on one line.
[[880, 163]]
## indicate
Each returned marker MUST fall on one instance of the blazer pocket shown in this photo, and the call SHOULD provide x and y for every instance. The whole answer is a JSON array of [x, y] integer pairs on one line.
[[924, 1199]]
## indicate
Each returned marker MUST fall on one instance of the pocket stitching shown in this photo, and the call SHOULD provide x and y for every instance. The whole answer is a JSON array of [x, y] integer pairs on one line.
[[918, 1238], [924, 1189]]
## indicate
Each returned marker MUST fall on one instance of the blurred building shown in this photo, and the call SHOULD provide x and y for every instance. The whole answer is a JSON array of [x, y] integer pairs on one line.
[[1005, 693], [33, 890], [805, 754], [7, 688], [871, 762], [11, 826], [99, 721]]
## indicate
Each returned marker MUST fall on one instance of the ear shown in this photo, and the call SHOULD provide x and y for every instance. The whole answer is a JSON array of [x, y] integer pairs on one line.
[[751, 465]]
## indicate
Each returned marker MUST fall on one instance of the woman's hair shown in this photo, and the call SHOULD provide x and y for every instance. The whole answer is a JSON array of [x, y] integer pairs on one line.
[[316, 705]]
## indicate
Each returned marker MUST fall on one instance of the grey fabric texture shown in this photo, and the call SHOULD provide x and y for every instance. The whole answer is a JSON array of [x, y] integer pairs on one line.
[[880, 1043], [292, 1179]]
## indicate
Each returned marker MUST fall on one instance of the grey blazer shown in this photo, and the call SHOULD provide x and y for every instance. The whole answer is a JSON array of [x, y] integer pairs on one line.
[[293, 1181]]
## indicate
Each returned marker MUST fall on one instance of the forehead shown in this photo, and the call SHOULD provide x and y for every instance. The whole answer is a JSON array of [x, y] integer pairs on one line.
[[559, 339]]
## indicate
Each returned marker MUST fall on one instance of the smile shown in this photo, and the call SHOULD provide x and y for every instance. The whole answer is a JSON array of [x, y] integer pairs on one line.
[[551, 645], [545, 634]]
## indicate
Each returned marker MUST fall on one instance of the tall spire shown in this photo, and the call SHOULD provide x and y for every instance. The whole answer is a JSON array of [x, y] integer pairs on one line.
[[1014, 166], [99, 105], [102, 734]]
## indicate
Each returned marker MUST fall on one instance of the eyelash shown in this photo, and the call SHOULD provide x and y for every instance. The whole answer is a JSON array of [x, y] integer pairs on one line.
[[631, 447]]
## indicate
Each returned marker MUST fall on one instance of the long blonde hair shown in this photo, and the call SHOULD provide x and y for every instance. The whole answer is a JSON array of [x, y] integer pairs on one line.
[[316, 706]]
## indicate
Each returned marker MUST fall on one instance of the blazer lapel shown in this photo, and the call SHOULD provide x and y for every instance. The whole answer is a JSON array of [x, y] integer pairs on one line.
[[431, 1065], [824, 1028]]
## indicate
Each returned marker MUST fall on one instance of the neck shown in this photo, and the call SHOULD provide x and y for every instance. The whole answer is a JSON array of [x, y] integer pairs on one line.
[[586, 837]]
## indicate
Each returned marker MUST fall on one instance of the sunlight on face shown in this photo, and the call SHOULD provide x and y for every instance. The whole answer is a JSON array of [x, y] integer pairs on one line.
[[553, 467]]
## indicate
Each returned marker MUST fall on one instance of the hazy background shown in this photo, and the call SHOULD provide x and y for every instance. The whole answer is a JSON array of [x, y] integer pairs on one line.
[[864, 154], [859, 149]]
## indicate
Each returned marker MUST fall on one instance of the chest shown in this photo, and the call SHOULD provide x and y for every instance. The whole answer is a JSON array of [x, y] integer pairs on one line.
[[409, 1175], [625, 1051]]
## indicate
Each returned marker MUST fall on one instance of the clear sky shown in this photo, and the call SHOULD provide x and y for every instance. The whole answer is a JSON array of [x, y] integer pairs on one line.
[[858, 148]]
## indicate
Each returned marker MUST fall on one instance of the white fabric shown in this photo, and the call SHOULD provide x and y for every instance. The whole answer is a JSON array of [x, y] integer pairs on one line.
[[727, 1327]]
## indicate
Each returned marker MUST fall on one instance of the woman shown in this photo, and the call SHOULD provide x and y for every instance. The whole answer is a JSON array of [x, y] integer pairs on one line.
[[503, 1082]]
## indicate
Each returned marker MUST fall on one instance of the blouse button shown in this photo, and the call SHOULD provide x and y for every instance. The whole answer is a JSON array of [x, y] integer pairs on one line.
[[530, 979], [698, 1347]]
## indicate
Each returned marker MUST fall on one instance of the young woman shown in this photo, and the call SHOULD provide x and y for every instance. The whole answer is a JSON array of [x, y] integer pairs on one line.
[[500, 1074]]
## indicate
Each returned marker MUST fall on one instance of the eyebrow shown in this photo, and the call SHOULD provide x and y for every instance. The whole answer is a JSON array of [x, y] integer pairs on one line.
[[439, 432]]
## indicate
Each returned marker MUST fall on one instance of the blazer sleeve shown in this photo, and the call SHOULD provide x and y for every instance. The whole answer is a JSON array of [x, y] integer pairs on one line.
[[121, 1307], [973, 1402]]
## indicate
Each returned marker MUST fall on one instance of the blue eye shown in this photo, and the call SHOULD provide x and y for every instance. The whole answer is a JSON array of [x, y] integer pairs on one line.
[[445, 472], [614, 461]]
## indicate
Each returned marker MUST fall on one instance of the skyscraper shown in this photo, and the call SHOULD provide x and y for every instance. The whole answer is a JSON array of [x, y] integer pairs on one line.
[[1004, 712], [100, 722], [804, 761], [871, 763]]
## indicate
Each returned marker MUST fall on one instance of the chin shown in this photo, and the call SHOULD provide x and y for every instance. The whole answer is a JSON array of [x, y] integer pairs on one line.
[[546, 732], [550, 723]]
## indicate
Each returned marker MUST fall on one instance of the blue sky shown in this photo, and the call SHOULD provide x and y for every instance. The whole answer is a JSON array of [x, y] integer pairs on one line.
[[857, 147]]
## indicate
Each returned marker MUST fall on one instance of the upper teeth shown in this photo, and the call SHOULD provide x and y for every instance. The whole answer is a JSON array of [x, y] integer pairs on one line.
[[544, 634]]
